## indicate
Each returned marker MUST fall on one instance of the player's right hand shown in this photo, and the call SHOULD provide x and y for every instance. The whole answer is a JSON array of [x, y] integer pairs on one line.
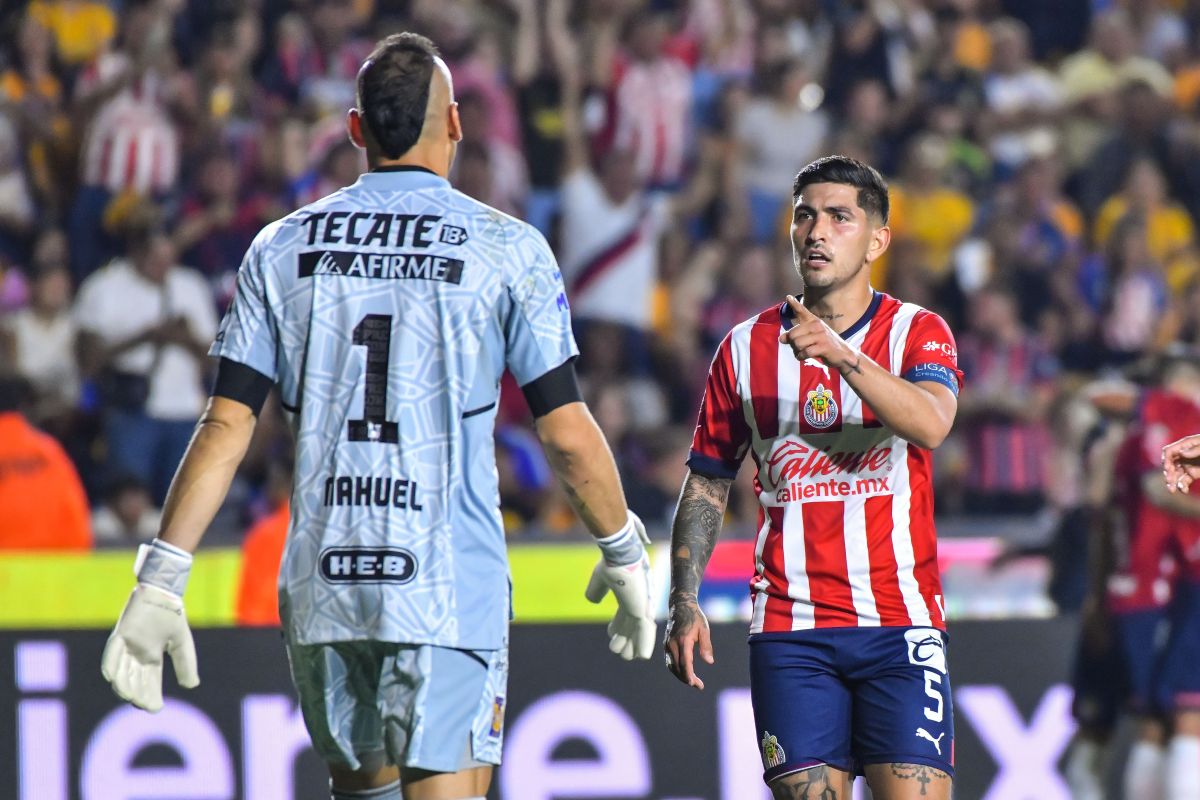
[[687, 627], [152, 623], [632, 630]]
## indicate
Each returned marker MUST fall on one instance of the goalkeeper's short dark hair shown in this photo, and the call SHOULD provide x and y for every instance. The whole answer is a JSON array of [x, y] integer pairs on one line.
[[872, 188], [393, 91]]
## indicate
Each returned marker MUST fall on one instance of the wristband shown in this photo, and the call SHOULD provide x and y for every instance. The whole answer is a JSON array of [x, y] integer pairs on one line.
[[623, 547], [163, 566]]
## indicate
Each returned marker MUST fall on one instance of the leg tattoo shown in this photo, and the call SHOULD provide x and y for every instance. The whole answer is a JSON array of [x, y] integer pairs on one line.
[[812, 784], [920, 773]]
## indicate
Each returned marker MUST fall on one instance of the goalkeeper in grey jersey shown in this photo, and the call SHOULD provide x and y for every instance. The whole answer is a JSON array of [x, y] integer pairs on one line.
[[385, 315]]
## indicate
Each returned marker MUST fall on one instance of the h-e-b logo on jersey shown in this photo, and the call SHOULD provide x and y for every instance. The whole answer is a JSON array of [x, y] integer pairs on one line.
[[368, 565]]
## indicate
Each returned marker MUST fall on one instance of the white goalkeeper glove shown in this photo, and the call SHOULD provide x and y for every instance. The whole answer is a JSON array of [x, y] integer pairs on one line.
[[152, 623], [624, 569]]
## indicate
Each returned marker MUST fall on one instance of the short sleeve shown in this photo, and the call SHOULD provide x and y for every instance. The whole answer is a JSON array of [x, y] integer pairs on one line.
[[722, 435], [931, 354], [248, 334], [537, 327]]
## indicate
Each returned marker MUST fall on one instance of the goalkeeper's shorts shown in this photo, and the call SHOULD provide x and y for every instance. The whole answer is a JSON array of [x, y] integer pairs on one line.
[[367, 704]]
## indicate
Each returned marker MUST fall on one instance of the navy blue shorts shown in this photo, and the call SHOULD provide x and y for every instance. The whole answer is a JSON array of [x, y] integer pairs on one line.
[[849, 697], [1142, 635], [1180, 675]]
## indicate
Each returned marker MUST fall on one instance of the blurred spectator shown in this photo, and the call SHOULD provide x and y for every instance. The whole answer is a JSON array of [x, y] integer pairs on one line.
[[262, 552], [927, 211], [34, 96], [509, 177], [145, 325], [340, 166], [610, 235], [867, 118], [1023, 99], [1004, 406], [17, 209], [218, 220], [315, 59], [128, 515], [652, 497], [778, 131], [131, 99], [1170, 234], [542, 52], [1146, 130], [652, 95], [1137, 314], [1093, 78], [228, 93], [876, 40], [42, 503], [83, 29], [1160, 31], [41, 338]]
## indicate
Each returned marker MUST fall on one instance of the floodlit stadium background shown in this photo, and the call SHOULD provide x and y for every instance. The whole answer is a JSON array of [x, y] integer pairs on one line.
[[1045, 169]]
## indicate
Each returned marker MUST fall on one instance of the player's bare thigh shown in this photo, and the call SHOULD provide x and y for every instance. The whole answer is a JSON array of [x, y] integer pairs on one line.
[[821, 782], [419, 784], [908, 782]]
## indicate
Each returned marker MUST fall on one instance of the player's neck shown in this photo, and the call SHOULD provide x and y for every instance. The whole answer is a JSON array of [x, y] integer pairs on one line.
[[424, 157], [841, 306]]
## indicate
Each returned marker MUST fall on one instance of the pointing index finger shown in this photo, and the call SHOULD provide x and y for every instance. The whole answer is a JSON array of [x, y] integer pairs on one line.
[[799, 308]]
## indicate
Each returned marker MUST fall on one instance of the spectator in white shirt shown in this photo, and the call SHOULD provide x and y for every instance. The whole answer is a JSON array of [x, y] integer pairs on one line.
[[145, 324]]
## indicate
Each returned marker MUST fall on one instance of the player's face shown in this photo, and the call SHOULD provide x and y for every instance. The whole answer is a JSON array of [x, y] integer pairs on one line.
[[833, 239]]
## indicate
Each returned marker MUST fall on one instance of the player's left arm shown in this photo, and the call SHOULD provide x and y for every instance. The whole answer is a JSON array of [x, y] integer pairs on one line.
[[919, 411]]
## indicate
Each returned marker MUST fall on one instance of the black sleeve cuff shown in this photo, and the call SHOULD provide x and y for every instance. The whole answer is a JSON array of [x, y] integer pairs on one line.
[[711, 467], [244, 384], [556, 388]]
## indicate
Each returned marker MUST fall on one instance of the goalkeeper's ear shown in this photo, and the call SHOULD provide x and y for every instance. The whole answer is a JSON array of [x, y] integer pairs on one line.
[[355, 128]]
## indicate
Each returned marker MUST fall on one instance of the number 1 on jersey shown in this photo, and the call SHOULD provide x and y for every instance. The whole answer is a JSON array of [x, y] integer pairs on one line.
[[375, 331]]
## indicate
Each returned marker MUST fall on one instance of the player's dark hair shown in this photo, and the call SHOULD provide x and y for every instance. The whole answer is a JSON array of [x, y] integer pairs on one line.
[[872, 188], [393, 91]]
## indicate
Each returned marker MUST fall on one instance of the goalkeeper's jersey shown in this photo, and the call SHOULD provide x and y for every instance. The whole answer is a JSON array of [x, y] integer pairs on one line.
[[386, 314]]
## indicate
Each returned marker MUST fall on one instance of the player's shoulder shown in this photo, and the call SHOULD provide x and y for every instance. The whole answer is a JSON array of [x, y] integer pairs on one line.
[[915, 314], [288, 229], [490, 222]]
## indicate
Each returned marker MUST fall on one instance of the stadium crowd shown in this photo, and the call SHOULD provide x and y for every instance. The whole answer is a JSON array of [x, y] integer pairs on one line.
[[1044, 161]]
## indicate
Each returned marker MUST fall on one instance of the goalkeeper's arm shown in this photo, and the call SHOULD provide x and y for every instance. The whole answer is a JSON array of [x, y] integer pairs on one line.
[[153, 621], [580, 457]]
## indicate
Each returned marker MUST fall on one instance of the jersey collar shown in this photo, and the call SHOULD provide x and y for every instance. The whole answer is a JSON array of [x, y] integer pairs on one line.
[[402, 177], [785, 315]]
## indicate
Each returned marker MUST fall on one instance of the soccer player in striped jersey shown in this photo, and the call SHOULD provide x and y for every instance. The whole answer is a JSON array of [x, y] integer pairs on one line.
[[839, 395], [386, 314]]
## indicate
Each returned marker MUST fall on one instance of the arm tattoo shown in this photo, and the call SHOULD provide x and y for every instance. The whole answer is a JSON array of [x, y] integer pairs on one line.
[[694, 534], [815, 783], [856, 367], [920, 773]]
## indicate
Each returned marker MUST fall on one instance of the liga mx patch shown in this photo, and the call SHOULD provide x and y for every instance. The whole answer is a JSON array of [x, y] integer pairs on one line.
[[772, 752], [497, 717], [926, 649], [820, 410]]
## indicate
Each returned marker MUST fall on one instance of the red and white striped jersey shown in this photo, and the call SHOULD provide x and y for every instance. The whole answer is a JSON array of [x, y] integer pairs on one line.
[[131, 143], [846, 534]]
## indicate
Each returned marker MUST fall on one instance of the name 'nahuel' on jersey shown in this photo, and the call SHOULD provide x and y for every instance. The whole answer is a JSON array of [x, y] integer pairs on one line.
[[846, 534], [386, 313]]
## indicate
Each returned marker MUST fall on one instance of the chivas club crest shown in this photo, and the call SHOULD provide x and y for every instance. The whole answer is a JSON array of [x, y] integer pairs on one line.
[[820, 410], [772, 753]]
